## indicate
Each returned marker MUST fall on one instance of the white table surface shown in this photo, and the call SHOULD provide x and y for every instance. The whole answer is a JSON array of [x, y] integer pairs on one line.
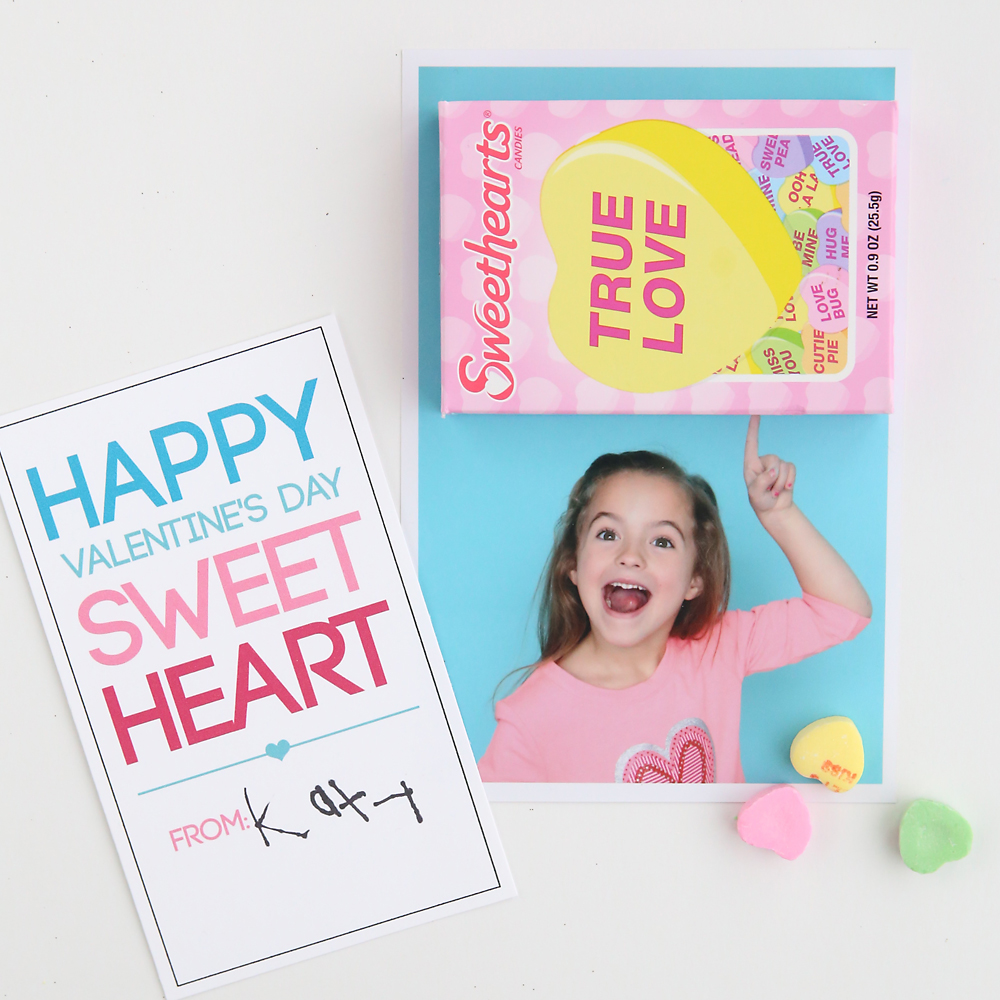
[[176, 177]]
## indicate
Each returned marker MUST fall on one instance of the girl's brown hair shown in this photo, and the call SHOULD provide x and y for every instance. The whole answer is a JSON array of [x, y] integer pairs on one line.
[[562, 620]]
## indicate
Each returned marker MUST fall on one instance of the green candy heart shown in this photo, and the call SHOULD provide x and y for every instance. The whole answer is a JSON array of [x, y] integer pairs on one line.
[[801, 226], [931, 834], [778, 352]]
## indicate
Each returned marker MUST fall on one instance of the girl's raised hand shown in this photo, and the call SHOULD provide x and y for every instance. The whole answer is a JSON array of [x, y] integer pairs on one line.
[[820, 570], [769, 480]]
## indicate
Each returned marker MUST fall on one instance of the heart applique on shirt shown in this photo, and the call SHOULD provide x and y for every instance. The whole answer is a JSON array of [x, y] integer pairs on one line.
[[687, 757]]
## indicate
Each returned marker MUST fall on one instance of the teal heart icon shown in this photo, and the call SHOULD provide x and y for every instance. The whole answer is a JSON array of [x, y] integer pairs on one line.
[[278, 750]]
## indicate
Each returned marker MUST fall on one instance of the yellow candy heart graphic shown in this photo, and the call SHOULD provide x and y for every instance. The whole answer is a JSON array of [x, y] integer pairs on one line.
[[830, 750], [671, 262]]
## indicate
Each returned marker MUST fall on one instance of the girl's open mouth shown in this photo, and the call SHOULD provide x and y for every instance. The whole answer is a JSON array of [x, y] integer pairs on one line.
[[625, 597]]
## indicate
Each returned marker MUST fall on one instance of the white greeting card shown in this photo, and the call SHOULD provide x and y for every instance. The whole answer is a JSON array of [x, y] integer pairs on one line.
[[249, 661]]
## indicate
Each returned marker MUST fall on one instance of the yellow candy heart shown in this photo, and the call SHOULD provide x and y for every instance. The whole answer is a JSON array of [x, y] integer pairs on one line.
[[671, 262], [804, 190], [826, 353], [740, 365], [830, 750], [794, 315], [842, 192]]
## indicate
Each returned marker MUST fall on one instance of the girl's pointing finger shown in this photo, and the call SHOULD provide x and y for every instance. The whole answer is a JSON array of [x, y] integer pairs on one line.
[[751, 458]]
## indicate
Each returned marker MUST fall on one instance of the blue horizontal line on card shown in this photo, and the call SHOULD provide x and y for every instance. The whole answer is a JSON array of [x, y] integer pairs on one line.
[[312, 739]]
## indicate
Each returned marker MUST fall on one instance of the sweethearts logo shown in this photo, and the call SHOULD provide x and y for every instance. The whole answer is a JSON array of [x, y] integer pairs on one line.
[[496, 248]]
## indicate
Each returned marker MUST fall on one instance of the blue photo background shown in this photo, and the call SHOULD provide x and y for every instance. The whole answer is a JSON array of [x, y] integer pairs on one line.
[[491, 487]]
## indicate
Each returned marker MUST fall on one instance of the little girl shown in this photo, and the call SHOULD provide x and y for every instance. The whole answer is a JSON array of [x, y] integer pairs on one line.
[[642, 665]]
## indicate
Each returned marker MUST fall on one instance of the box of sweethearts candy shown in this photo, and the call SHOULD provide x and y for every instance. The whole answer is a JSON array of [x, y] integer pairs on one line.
[[667, 256]]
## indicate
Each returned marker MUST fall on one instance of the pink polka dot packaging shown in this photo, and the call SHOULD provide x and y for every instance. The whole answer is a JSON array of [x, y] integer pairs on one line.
[[667, 256]]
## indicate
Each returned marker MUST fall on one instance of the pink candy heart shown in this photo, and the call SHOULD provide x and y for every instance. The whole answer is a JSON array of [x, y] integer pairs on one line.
[[777, 819], [825, 292]]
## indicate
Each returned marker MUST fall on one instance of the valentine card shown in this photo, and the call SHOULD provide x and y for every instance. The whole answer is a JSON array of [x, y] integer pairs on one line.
[[249, 661]]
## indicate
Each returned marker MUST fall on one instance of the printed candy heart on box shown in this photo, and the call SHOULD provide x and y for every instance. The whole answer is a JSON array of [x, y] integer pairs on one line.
[[794, 315], [831, 158], [778, 352], [278, 750], [834, 243], [802, 228], [825, 293], [688, 757], [805, 190], [671, 261], [781, 155]]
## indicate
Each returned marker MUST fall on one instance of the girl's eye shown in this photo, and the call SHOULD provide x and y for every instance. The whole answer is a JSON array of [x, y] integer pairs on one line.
[[663, 543], [606, 535]]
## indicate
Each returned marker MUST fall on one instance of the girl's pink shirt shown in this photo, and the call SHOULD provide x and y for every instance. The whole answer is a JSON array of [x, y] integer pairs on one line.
[[555, 727]]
